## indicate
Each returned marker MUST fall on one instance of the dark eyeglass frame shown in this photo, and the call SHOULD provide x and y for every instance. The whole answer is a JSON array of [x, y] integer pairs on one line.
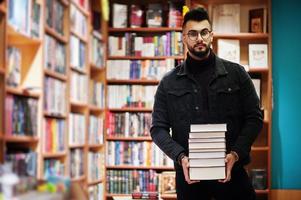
[[204, 33]]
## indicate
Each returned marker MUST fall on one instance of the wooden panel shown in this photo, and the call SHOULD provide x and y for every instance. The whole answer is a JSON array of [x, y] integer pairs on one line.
[[286, 194]]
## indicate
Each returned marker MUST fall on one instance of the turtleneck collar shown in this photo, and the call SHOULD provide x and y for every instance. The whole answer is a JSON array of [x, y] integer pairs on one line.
[[198, 66]]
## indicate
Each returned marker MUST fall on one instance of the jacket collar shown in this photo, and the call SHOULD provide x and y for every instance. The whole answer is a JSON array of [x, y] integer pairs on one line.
[[220, 69]]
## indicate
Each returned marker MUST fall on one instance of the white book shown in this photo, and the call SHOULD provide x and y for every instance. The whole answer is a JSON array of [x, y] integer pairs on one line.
[[208, 127], [217, 139], [258, 55], [209, 162], [256, 83], [207, 150], [229, 49], [206, 145], [207, 173], [217, 154], [226, 18], [119, 15], [207, 134]]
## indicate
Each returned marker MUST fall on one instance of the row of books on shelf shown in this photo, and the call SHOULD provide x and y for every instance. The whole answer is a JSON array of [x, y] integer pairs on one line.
[[96, 192], [55, 96], [120, 96], [54, 15], [168, 44], [77, 53], [78, 21], [229, 49], [135, 153], [77, 127], [97, 93], [97, 50], [55, 55], [138, 69], [54, 135], [78, 88], [21, 115], [24, 16], [95, 166], [76, 163], [128, 124], [128, 181], [151, 15]]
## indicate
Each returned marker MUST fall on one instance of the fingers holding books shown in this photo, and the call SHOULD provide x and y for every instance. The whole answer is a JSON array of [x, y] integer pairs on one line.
[[185, 166]]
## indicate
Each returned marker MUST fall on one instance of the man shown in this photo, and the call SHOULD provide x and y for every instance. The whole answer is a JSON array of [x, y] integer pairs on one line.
[[206, 89]]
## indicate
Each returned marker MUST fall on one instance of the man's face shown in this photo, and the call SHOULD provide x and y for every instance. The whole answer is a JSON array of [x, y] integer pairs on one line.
[[197, 36]]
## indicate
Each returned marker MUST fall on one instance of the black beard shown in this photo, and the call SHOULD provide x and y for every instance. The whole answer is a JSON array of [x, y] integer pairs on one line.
[[200, 54]]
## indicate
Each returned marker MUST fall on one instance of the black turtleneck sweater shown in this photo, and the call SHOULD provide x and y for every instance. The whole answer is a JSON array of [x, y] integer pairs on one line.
[[202, 71]]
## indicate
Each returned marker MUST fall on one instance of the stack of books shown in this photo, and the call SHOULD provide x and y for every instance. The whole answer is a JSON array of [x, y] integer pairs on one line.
[[207, 147]]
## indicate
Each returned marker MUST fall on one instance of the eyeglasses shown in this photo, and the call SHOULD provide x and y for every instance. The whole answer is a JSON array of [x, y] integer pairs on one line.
[[194, 34]]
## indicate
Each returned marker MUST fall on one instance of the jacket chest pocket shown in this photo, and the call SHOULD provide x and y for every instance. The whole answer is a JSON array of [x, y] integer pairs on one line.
[[228, 98], [181, 101]]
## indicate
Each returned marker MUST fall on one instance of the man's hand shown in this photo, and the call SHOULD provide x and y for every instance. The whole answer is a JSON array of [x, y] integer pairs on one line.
[[185, 166], [229, 160]]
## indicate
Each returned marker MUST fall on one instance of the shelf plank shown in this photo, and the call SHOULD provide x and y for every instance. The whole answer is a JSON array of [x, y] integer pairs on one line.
[[80, 105], [54, 155], [74, 146], [145, 29], [241, 35], [96, 69], [262, 191], [139, 167], [54, 115], [20, 139], [133, 81], [144, 57], [56, 75], [91, 183], [80, 8], [81, 71], [130, 109], [116, 138], [264, 148], [82, 38], [78, 179], [95, 146], [95, 109], [258, 70], [22, 92], [17, 38], [169, 196], [55, 34]]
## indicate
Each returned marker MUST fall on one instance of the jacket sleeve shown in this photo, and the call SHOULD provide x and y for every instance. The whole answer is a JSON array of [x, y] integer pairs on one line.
[[252, 116], [161, 123]]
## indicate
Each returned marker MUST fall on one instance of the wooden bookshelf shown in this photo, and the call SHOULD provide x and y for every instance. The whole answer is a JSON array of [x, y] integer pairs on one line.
[[56, 35], [55, 75], [18, 38], [20, 139], [54, 155]]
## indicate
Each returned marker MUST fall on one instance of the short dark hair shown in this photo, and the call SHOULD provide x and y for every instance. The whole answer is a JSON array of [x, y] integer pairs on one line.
[[196, 14]]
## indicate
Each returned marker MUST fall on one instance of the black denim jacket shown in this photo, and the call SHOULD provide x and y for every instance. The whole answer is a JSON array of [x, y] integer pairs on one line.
[[232, 100]]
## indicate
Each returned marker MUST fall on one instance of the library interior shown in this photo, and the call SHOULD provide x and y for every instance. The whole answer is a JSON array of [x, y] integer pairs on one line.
[[79, 80]]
